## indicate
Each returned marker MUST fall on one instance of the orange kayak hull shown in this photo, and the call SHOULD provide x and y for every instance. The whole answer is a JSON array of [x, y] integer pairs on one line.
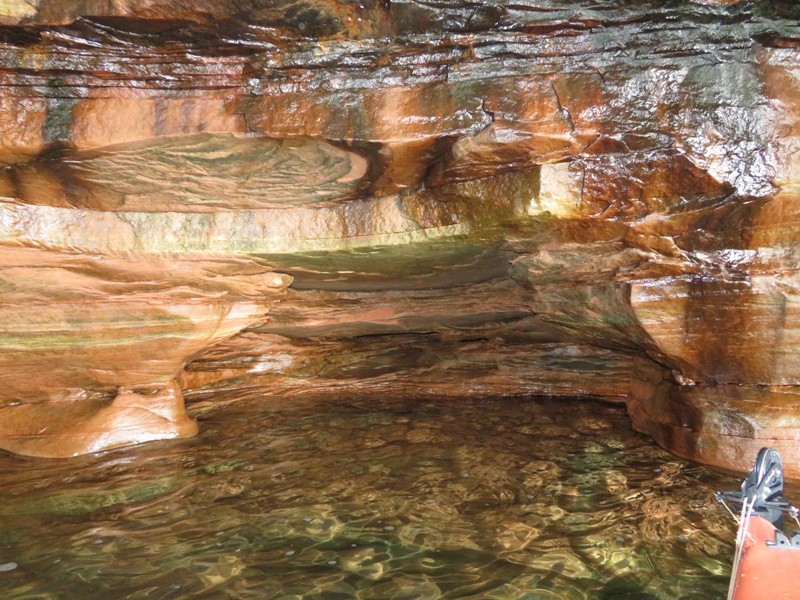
[[766, 572]]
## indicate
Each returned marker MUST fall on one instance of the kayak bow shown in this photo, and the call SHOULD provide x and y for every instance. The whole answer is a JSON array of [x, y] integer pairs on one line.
[[767, 562]]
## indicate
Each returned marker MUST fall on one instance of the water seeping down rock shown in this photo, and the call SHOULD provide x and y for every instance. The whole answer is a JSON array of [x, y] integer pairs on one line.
[[400, 198]]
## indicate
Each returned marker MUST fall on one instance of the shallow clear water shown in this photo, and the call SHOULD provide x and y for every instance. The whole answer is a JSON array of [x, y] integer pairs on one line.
[[486, 498]]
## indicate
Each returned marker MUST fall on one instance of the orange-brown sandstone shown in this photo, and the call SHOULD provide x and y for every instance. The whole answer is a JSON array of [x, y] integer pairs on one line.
[[320, 197]]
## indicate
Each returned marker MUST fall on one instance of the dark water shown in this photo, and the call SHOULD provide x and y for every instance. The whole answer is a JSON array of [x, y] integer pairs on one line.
[[490, 499]]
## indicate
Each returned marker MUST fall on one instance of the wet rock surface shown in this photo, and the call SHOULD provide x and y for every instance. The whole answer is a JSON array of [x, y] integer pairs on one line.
[[600, 198]]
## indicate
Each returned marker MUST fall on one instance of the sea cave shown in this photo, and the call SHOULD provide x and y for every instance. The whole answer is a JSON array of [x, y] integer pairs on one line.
[[392, 299]]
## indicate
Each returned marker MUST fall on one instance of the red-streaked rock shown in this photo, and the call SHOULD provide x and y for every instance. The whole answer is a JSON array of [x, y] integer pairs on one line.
[[90, 345], [515, 364], [79, 426], [192, 173], [721, 425], [471, 199]]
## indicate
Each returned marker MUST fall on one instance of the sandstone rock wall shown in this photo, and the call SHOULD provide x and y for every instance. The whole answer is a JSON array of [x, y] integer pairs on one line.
[[592, 198]]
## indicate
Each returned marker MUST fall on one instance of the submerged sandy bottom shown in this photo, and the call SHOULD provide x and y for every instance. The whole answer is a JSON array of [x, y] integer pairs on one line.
[[487, 498]]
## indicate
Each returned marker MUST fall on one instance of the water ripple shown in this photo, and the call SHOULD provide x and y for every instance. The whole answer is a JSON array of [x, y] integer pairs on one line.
[[485, 498]]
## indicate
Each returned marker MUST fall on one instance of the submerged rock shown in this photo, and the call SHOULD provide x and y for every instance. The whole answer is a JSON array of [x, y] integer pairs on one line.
[[400, 198]]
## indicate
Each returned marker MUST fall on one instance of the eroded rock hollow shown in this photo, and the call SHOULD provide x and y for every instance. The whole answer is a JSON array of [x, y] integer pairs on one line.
[[391, 198]]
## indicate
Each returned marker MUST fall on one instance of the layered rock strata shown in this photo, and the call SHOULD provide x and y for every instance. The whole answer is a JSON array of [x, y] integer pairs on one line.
[[562, 198], [91, 344]]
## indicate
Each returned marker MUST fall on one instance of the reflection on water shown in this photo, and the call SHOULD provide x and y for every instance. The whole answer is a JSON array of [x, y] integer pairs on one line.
[[489, 499]]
